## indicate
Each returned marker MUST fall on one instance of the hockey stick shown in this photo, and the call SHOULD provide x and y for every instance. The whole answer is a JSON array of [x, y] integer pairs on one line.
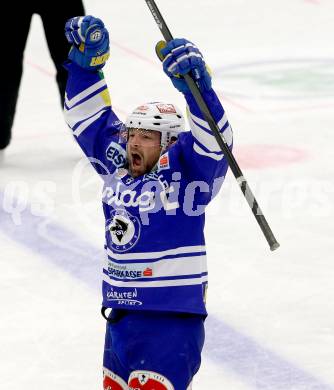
[[252, 202]]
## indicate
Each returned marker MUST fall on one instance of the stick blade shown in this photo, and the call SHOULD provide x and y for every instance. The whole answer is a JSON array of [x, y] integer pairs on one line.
[[158, 47]]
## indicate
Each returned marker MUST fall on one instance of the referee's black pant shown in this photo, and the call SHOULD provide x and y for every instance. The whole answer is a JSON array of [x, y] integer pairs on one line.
[[15, 24]]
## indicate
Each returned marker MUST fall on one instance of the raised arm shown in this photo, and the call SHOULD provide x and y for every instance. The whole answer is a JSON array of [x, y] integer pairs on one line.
[[87, 105], [202, 155]]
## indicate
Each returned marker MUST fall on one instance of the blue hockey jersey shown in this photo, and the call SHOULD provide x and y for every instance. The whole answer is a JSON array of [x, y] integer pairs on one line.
[[155, 256]]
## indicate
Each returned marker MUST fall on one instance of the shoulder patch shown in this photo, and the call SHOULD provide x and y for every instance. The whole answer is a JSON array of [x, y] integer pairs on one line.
[[164, 162]]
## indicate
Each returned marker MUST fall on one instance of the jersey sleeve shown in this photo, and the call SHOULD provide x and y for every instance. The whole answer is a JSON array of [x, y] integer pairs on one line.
[[89, 115], [202, 156]]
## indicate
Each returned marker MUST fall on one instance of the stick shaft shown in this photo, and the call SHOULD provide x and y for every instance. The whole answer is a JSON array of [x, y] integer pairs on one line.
[[253, 204]]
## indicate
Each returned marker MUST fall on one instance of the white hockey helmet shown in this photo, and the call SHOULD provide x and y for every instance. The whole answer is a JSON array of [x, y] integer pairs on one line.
[[158, 116]]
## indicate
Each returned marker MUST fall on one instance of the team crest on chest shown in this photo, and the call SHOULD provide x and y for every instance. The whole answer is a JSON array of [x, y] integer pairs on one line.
[[124, 230]]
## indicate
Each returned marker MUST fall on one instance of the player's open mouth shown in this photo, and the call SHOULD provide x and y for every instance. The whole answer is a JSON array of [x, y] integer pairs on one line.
[[136, 159]]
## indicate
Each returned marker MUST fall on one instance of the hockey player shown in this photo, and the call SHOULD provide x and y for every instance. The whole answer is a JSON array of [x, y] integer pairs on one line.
[[158, 178]]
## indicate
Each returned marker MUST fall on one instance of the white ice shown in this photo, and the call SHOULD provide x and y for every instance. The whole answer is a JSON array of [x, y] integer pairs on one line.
[[271, 323]]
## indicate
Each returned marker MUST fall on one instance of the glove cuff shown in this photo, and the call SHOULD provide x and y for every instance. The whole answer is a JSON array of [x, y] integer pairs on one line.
[[92, 63]]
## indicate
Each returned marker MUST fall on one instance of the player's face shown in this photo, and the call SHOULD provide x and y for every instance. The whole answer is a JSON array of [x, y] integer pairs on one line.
[[143, 150]]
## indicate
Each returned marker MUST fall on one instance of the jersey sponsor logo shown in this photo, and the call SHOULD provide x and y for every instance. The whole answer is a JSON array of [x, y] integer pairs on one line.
[[116, 154], [126, 298], [111, 381], [124, 230], [127, 197], [122, 272], [166, 108], [164, 162], [162, 196], [147, 380], [148, 272]]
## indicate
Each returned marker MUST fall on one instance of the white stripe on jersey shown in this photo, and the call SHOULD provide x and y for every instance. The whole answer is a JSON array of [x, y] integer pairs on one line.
[[86, 123], [208, 140], [86, 92], [156, 283], [156, 255], [164, 268], [202, 152], [221, 123], [84, 110]]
